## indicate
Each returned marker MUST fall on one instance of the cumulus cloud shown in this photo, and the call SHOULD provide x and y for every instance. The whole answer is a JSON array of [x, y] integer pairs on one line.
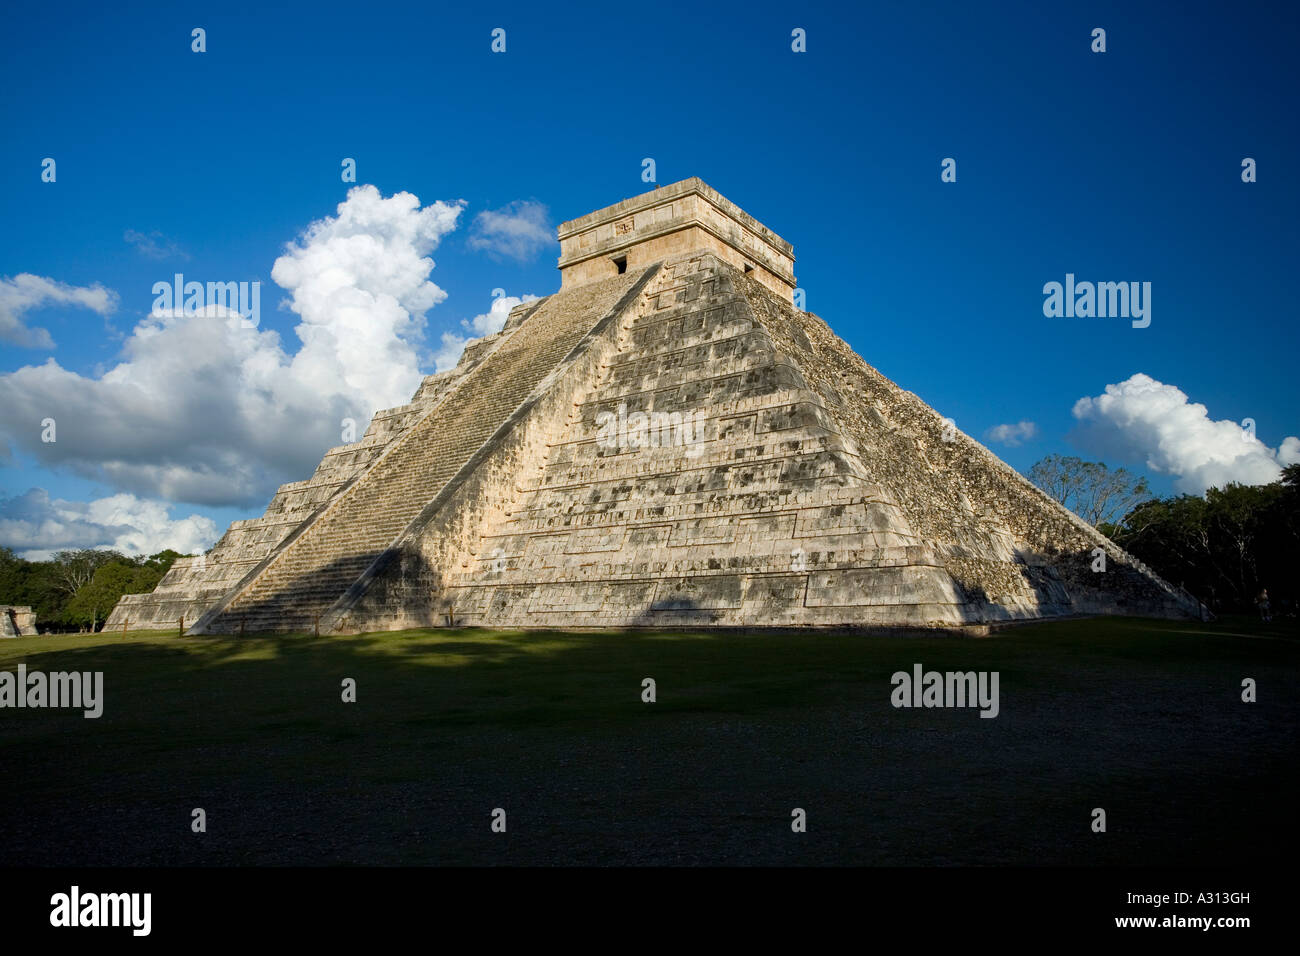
[[360, 282], [1012, 435], [1289, 453], [516, 231], [154, 245], [36, 526], [26, 291], [209, 409], [493, 320], [1147, 419]]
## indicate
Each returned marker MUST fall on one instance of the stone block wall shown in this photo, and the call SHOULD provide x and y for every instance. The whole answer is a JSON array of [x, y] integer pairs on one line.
[[688, 216], [17, 620], [673, 445]]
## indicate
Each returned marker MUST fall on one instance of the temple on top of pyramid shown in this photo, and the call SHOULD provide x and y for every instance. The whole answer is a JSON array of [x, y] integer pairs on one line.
[[687, 216], [665, 441]]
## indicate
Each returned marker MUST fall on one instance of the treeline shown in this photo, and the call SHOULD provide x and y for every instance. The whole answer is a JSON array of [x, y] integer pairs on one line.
[[1225, 547], [76, 590]]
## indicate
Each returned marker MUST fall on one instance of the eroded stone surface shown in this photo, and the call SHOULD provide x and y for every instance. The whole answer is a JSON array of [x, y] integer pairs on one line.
[[673, 444], [17, 620]]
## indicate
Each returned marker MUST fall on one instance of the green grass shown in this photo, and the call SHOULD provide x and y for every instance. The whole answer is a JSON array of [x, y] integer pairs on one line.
[[1141, 717]]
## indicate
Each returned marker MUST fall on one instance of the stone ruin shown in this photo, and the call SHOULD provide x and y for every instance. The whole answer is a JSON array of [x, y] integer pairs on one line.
[[666, 441], [17, 621]]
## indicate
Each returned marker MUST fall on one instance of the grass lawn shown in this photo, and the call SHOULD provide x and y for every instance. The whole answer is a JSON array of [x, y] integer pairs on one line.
[[1142, 718]]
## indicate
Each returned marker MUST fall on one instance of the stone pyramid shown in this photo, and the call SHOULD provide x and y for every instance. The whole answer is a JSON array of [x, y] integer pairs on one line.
[[667, 440]]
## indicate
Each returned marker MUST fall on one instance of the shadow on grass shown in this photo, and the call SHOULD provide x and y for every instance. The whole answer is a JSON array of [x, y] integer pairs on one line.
[[1143, 718]]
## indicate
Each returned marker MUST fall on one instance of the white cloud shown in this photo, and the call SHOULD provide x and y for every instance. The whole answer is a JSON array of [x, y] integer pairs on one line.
[[1146, 419], [360, 282], [211, 410], [1289, 453], [36, 526], [1012, 435], [26, 291], [493, 320], [154, 245], [518, 230]]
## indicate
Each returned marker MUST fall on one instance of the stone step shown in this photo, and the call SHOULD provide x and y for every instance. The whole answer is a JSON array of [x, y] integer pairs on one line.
[[313, 571]]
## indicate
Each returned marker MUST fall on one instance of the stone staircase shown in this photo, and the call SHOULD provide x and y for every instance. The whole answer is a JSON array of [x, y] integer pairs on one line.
[[197, 583], [635, 534], [297, 585]]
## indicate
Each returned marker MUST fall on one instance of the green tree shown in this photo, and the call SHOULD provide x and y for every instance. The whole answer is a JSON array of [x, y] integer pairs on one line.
[[1173, 536], [12, 574], [76, 568], [160, 562], [38, 584], [1237, 513], [98, 596], [48, 586], [1224, 547]]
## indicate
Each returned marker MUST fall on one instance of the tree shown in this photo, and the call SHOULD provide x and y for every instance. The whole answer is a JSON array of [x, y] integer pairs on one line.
[[97, 597], [76, 568], [47, 585], [38, 584], [1224, 547], [1173, 535], [11, 575], [1288, 505], [1237, 513], [161, 562], [1091, 490]]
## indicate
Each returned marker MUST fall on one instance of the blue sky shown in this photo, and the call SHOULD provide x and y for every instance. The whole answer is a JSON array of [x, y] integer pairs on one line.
[[1115, 166]]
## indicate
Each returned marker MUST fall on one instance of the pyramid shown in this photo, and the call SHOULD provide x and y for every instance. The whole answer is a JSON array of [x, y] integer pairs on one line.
[[665, 441]]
